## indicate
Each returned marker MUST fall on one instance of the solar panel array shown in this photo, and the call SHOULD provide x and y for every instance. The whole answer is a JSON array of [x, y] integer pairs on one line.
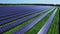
[[15, 16]]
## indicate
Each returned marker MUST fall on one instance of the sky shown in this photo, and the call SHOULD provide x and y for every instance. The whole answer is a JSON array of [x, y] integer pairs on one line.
[[31, 1]]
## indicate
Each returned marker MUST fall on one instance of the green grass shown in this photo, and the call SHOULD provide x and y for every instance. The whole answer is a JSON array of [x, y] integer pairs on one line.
[[54, 25], [21, 25], [39, 25]]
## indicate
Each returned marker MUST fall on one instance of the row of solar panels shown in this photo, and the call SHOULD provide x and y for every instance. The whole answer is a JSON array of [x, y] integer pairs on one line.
[[10, 21]]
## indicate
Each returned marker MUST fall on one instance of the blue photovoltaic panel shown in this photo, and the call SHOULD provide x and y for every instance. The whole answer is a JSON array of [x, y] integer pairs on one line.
[[12, 16]]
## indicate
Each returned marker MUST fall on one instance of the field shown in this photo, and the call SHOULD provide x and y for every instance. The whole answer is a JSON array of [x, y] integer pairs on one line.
[[29, 19]]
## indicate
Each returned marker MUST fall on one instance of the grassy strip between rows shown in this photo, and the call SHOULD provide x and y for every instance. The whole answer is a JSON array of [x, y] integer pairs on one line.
[[54, 25], [21, 25], [39, 25]]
